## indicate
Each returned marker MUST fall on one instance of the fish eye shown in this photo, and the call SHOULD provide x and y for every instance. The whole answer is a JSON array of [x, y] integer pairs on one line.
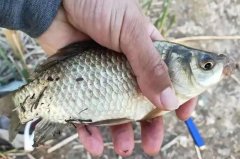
[[207, 65]]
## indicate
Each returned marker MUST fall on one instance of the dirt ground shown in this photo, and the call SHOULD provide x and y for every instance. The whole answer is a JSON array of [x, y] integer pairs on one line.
[[218, 112]]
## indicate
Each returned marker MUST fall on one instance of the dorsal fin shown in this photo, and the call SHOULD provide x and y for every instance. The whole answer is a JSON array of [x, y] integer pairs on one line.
[[67, 52]]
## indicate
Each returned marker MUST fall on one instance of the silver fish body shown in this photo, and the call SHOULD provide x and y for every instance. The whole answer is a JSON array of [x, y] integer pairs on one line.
[[97, 86]]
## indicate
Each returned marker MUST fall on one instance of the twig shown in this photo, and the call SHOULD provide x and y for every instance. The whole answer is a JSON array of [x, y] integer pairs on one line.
[[16, 154], [88, 155], [119, 157], [62, 143], [30, 156], [198, 152], [235, 79], [2, 156], [197, 38], [107, 144], [170, 144]]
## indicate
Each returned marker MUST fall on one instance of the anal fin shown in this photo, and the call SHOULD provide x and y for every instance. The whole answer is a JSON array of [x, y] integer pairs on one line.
[[111, 122]]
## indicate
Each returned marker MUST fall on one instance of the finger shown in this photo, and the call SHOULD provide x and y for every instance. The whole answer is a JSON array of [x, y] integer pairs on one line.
[[152, 135], [185, 110], [150, 70], [154, 33], [91, 139], [123, 139]]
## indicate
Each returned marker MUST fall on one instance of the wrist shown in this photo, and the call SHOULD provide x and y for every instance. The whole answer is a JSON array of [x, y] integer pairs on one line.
[[59, 34]]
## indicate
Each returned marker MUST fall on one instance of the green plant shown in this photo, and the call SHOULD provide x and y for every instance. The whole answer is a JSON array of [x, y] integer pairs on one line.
[[165, 21], [146, 5]]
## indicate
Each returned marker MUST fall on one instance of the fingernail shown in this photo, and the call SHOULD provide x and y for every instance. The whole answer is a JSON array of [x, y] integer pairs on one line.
[[169, 99]]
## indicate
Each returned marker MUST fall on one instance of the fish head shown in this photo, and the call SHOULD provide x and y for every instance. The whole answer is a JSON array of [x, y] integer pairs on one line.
[[209, 68], [193, 71]]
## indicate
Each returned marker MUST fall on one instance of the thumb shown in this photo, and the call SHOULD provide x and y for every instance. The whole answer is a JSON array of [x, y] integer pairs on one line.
[[150, 70]]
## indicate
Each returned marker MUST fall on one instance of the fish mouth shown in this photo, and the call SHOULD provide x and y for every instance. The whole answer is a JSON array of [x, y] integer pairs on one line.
[[228, 70], [229, 65]]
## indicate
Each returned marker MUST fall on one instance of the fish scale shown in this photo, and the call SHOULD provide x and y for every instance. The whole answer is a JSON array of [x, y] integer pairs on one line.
[[91, 73], [87, 83]]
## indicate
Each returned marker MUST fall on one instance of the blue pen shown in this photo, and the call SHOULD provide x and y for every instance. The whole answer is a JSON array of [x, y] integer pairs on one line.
[[193, 130]]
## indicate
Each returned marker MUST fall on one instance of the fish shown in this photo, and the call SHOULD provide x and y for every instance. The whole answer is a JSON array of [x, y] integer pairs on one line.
[[86, 83]]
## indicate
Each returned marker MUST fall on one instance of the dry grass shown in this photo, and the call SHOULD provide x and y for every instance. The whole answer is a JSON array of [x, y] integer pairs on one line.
[[20, 54], [202, 38]]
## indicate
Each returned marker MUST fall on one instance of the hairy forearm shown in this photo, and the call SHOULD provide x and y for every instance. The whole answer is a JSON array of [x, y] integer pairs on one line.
[[30, 16]]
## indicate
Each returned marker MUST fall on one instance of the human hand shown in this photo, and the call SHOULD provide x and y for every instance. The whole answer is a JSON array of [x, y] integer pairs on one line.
[[119, 25]]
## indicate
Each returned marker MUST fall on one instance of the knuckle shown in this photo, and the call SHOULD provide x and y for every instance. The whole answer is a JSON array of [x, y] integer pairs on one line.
[[132, 26], [131, 34], [153, 68], [159, 68]]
